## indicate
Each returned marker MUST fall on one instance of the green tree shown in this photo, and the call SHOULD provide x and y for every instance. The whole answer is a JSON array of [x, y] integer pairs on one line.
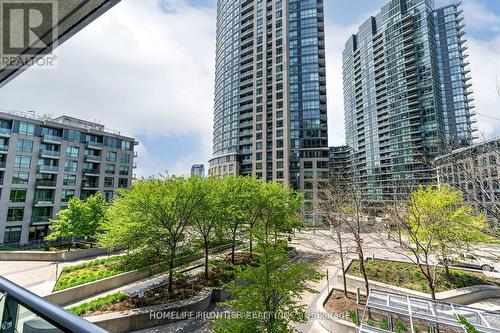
[[436, 222], [153, 215], [79, 219], [210, 213], [266, 299]]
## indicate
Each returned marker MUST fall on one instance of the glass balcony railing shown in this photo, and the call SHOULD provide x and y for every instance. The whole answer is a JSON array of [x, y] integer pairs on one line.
[[51, 138], [91, 171], [51, 153], [4, 148], [90, 184], [4, 130], [93, 158], [47, 168], [45, 183], [2, 164], [39, 219], [23, 311], [93, 144], [44, 201]]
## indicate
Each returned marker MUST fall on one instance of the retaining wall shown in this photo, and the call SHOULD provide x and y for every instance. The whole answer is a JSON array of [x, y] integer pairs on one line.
[[50, 256], [137, 319]]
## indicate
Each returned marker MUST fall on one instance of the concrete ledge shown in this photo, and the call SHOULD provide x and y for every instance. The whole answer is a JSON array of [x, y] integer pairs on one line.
[[137, 319], [50, 256], [469, 295]]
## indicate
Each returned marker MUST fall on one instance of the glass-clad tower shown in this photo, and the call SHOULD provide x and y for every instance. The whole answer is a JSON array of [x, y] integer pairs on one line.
[[270, 117], [406, 95]]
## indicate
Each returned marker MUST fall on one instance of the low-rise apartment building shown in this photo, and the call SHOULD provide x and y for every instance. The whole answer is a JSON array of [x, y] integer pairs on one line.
[[45, 162]]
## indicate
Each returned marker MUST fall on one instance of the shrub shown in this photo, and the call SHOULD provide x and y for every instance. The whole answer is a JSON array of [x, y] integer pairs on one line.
[[97, 303]]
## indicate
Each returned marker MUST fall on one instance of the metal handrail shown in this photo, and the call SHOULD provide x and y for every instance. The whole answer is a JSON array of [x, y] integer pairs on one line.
[[52, 313]]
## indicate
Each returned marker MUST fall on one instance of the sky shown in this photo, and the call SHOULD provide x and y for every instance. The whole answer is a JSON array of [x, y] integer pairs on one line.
[[147, 67]]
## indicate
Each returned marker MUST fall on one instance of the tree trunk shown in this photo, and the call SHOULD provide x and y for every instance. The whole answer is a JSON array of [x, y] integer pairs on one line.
[[362, 269], [206, 261], [70, 242], [342, 263], [232, 251], [251, 245], [171, 274]]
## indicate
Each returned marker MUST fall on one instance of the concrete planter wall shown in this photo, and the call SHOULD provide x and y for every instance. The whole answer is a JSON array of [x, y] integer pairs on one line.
[[137, 319], [50, 256]]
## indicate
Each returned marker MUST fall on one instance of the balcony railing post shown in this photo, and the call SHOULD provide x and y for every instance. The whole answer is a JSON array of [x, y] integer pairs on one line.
[[9, 315]]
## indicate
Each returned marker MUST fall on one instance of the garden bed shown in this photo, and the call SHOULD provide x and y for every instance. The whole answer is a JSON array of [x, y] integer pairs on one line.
[[103, 268], [221, 271], [409, 276]]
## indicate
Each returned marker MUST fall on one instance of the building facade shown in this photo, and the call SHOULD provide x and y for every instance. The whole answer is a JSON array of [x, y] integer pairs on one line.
[[475, 172], [340, 163], [198, 170], [406, 95], [270, 117], [44, 163]]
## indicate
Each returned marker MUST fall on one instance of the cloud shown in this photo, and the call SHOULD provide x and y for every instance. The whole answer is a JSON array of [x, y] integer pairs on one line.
[[145, 68], [479, 18]]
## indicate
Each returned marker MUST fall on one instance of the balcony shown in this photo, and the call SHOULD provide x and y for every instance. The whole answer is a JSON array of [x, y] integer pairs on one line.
[[51, 139], [45, 183], [4, 149], [91, 171], [5, 132], [2, 165], [93, 158], [94, 145], [26, 309], [49, 153], [47, 168]]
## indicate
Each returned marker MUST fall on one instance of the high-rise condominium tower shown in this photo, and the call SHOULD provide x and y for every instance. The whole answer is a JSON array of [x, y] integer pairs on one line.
[[270, 93], [406, 95]]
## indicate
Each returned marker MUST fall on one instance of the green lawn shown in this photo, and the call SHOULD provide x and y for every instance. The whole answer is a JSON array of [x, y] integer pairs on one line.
[[96, 304], [408, 275]]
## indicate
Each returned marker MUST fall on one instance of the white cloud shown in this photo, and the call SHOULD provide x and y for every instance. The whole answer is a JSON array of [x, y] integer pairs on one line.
[[479, 18], [137, 69]]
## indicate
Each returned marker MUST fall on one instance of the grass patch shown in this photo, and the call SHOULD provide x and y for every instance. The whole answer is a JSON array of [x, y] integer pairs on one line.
[[84, 308], [90, 271], [409, 276]]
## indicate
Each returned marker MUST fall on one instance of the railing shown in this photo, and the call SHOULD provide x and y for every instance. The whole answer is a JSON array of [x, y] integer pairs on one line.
[[89, 185], [44, 201], [52, 138], [91, 171], [38, 219], [47, 168], [4, 130], [2, 164], [53, 153], [47, 183], [24, 311], [93, 157], [94, 144], [4, 148]]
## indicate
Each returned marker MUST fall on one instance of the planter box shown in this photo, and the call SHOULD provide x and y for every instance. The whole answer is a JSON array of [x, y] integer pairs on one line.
[[50, 256], [137, 319]]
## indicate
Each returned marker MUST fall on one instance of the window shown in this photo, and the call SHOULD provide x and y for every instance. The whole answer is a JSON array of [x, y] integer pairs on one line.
[[20, 177], [110, 169], [124, 170], [112, 142], [18, 195], [123, 182], [22, 162], [12, 235], [67, 194], [24, 146], [111, 156], [109, 182], [69, 180], [15, 214], [70, 166], [126, 145], [72, 151], [73, 136], [125, 158], [26, 128], [108, 195]]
